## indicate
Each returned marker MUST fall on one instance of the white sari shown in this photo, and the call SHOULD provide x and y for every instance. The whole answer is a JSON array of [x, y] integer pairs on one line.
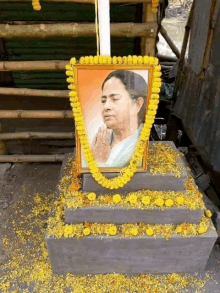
[[120, 153]]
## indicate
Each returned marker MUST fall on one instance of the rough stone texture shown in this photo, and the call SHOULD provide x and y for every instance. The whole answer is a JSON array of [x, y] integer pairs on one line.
[[4, 168], [216, 221], [141, 180], [95, 255], [121, 215]]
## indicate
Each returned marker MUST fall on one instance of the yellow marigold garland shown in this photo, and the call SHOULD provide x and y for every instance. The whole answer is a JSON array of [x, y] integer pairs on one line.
[[59, 229], [126, 173], [36, 5], [155, 4]]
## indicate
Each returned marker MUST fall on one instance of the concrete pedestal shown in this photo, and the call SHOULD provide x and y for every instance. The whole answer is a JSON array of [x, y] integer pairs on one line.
[[102, 255], [120, 215]]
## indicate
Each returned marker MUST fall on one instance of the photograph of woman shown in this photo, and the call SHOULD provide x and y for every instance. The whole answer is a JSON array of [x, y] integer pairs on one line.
[[123, 102]]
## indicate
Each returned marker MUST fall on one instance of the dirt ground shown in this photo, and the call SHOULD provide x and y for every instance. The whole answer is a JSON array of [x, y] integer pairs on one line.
[[23, 266]]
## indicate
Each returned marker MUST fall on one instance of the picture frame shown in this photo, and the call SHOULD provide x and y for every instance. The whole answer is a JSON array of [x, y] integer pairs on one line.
[[94, 87]]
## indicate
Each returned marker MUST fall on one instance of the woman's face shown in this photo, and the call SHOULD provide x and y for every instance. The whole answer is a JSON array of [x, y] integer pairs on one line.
[[118, 110]]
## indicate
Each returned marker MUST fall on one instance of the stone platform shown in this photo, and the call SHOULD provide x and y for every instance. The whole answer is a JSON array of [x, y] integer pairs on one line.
[[102, 255], [141, 180], [144, 254], [120, 215]]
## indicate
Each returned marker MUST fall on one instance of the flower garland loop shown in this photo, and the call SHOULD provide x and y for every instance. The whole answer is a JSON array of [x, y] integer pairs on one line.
[[155, 4], [127, 172]]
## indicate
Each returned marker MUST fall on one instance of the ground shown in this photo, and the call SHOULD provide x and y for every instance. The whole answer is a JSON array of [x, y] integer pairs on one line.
[[27, 192]]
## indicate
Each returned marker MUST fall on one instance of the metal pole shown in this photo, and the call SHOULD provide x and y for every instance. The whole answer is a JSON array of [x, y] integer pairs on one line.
[[104, 27]]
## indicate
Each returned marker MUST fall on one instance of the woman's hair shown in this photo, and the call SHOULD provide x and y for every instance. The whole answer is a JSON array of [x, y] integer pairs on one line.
[[135, 85]]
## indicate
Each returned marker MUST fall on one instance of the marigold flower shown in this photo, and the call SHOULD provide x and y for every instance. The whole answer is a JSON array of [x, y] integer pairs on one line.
[[157, 68], [114, 60], [202, 229], [69, 230], [82, 60], [208, 213], [159, 202], [151, 60], [149, 231], [125, 59], [86, 231], [96, 60], [169, 203], [179, 229], [146, 199], [92, 196], [117, 198], [73, 61], [146, 59], [134, 231], [140, 59], [133, 198], [180, 200], [112, 230], [119, 60]]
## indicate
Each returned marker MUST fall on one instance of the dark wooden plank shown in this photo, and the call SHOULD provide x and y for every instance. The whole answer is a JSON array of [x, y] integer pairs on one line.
[[199, 34]]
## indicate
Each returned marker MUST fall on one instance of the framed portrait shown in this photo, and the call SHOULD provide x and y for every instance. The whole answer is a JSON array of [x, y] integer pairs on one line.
[[114, 100]]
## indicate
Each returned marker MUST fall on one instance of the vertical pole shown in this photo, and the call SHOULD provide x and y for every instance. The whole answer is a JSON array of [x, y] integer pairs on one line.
[[104, 27], [148, 45]]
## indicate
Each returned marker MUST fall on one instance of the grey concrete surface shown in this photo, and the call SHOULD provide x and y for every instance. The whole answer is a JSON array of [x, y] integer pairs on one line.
[[96, 255], [121, 215], [24, 179], [141, 180]]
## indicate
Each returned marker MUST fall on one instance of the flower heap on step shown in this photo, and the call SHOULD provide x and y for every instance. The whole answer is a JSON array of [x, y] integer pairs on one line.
[[71, 197]]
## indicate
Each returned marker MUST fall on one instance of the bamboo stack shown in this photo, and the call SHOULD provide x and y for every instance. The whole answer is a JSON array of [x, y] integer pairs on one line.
[[147, 30]]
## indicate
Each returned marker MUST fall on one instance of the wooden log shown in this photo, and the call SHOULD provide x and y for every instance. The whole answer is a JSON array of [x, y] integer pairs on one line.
[[166, 58], [14, 114], [169, 42], [148, 43], [31, 158], [3, 147], [86, 1], [183, 52], [37, 135], [167, 63], [33, 65], [42, 30], [32, 92]]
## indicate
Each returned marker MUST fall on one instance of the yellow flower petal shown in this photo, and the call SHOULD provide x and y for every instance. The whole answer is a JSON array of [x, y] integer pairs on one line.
[[159, 202], [146, 199], [150, 231], [92, 196], [113, 230], [117, 198], [134, 231], [86, 231], [169, 203], [208, 213]]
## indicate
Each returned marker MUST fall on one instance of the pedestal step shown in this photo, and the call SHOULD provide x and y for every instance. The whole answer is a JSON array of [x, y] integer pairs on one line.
[[102, 255], [120, 215], [142, 180]]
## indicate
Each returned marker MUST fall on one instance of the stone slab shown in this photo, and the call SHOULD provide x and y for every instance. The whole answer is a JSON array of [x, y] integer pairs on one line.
[[96, 255], [120, 215], [141, 180]]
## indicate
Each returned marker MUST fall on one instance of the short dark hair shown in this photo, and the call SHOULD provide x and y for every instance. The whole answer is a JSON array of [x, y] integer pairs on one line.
[[135, 85]]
